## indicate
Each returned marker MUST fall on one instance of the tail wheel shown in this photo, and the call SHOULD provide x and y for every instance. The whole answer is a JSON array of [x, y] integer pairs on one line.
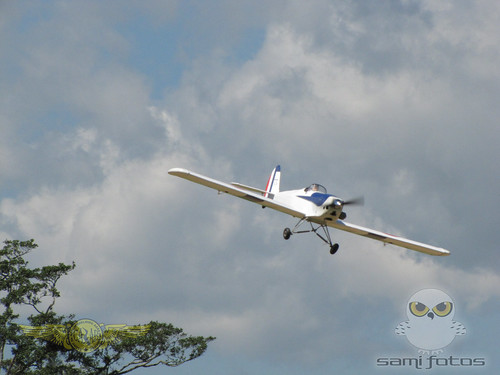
[[287, 233]]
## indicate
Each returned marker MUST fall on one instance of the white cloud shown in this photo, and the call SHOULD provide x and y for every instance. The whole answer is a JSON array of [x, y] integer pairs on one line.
[[214, 282]]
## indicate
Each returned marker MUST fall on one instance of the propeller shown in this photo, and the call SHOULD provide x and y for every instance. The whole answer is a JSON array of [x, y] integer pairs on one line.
[[355, 201]]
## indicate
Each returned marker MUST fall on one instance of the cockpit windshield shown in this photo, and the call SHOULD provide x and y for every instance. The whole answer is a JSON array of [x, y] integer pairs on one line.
[[316, 188]]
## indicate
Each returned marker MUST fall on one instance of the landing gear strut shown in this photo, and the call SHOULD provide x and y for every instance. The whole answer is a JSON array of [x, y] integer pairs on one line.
[[287, 233]]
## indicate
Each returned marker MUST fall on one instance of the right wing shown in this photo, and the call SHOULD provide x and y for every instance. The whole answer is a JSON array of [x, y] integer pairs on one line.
[[388, 238], [241, 191]]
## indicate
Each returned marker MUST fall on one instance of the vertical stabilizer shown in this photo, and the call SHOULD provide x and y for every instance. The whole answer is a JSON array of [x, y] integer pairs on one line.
[[273, 184]]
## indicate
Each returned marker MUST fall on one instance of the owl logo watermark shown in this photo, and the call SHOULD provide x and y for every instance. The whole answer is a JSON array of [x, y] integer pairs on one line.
[[430, 326]]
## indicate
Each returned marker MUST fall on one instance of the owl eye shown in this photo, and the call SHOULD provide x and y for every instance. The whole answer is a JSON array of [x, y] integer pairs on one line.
[[443, 309], [418, 309]]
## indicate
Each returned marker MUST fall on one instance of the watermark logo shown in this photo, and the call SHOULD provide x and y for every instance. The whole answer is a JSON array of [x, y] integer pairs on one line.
[[430, 328], [430, 325], [85, 335]]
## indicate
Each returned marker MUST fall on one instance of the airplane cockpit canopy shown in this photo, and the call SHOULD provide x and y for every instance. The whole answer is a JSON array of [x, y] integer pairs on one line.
[[316, 188]]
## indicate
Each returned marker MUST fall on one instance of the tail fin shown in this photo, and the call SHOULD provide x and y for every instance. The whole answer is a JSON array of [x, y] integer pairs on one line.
[[273, 184]]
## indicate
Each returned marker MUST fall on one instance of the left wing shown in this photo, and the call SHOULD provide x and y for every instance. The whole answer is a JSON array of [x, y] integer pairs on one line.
[[387, 238], [241, 191]]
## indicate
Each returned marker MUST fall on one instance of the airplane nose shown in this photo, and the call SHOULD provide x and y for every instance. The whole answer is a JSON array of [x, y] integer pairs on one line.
[[338, 203]]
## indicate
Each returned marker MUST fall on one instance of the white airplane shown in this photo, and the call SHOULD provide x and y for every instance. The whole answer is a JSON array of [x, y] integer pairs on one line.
[[312, 204]]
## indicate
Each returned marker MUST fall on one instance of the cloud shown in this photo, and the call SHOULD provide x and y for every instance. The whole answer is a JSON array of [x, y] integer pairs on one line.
[[200, 260], [309, 101]]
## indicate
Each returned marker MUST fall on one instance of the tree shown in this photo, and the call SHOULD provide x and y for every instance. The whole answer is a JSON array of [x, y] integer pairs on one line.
[[20, 285]]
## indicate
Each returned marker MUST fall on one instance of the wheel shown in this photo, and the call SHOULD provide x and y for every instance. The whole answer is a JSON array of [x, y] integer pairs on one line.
[[287, 233], [334, 248], [342, 216]]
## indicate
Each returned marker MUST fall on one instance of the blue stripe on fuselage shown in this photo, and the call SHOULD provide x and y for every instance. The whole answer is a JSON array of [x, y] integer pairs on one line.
[[317, 198]]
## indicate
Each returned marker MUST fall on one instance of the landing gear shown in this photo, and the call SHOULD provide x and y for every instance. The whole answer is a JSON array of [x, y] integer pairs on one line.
[[287, 233]]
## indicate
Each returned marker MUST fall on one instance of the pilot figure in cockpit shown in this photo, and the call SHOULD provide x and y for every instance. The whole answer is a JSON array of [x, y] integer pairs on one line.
[[313, 188]]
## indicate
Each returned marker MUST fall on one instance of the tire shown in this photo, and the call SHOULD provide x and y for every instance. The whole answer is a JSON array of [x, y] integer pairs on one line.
[[334, 248]]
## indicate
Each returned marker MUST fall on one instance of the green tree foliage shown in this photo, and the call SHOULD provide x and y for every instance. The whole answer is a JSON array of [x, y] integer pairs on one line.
[[20, 285]]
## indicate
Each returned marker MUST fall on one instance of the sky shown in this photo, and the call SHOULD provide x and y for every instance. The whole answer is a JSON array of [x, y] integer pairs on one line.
[[393, 100]]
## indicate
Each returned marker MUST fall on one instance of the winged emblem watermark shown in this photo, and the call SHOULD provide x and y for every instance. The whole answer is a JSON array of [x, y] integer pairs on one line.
[[85, 335]]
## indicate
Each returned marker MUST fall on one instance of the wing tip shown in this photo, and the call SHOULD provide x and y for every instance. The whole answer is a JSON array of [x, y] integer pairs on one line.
[[439, 251], [177, 171], [444, 252]]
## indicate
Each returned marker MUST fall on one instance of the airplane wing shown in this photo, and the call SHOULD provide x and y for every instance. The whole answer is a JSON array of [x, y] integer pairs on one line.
[[388, 238], [238, 190]]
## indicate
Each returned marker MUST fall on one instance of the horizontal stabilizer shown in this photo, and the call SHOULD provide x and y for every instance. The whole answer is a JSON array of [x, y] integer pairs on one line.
[[249, 188]]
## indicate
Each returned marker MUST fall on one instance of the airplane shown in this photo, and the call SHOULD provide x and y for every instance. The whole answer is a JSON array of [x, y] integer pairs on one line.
[[311, 204]]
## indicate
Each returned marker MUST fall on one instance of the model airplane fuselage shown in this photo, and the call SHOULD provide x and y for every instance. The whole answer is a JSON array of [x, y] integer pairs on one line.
[[312, 204]]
